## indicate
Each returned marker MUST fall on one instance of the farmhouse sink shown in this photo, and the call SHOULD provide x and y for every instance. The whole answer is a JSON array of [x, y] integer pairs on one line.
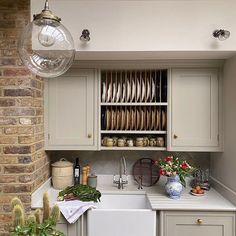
[[122, 215]]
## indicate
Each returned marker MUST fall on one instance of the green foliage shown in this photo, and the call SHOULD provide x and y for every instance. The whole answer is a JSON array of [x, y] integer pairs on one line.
[[33, 226], [81, 192]]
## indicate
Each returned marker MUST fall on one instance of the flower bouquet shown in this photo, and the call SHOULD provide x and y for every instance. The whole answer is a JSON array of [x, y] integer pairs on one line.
[[172, 166]]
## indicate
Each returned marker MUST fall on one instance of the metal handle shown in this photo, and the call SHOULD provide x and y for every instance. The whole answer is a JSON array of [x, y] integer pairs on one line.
[[199, 221], [175, 136], [89, 135]]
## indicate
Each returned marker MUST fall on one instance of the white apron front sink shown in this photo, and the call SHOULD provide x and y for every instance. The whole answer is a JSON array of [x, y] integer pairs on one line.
[[122, 215]]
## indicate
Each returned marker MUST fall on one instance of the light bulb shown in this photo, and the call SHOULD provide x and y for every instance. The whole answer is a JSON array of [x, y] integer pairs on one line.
[[46, 37]]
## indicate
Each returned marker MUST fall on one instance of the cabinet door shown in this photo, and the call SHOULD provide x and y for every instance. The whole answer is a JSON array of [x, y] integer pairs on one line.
[[194, 108], [197, 223], [76, 229], [71, 111]]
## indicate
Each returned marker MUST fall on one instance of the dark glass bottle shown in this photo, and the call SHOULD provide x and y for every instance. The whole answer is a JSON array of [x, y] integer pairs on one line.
[[77, 172]]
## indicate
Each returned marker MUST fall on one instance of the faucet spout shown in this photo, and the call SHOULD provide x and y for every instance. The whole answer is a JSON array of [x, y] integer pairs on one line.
[[122, 171]]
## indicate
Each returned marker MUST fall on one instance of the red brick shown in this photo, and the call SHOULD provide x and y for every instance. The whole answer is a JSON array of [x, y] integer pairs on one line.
[[17, 189], [7, 121], [18, 92], [16, 72], [18, 112], [13, 169], [26, 178], [10, 130], [6, 159], [8, 140], [6, 102], [24, 159], [7, 179], [7, 61], [17, 149], [26, 139]]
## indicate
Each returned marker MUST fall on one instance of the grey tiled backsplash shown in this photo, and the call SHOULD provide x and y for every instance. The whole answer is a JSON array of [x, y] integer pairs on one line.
[[107, 162]]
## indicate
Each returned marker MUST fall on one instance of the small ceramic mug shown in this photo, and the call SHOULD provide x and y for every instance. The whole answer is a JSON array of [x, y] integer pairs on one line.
[[115, 141], [130, 142], [121, 142], [104, 141], [145, 141], [160, 142], [152, 142], [109, 142], [139, 142]]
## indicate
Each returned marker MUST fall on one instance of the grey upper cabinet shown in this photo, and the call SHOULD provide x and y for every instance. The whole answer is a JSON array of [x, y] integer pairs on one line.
[[71, 111], [194, 111]]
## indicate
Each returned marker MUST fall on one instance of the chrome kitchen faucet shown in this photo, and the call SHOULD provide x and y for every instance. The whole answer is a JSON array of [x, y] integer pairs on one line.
[[120, 182]]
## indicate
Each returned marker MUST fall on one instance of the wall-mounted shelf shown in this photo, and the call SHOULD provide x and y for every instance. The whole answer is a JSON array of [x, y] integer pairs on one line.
[[134, 104], [134, 148], [132, 132]]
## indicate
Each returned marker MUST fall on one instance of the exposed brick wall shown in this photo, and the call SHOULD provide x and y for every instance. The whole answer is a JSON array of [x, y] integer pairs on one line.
[[24, 165]]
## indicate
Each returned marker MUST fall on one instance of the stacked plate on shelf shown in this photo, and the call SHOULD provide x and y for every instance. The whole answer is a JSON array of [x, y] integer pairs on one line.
[[134, 118], [120, 90]]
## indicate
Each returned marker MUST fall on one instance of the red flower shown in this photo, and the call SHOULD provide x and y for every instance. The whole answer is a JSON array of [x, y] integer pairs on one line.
[[184, 165], [162, 172], [170, 158]]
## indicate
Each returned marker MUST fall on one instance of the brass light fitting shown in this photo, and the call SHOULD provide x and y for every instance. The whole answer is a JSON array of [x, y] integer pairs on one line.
[[46, 14]]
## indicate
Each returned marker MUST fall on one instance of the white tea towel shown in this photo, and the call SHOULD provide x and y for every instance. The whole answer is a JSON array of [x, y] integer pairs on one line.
[[72, 210]]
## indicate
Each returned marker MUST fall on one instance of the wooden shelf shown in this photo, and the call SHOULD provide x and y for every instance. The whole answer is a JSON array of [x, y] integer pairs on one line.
[[134, 104], [134, 148], [146, 132]]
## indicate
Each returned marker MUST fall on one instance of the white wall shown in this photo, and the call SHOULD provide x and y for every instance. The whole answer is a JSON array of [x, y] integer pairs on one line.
[[159, 25], [223, 165]]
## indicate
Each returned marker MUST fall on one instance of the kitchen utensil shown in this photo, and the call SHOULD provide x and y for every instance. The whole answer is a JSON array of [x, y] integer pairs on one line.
[[146, 171]]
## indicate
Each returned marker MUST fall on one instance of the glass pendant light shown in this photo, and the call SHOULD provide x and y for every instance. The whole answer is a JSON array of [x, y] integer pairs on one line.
[[46, 47]]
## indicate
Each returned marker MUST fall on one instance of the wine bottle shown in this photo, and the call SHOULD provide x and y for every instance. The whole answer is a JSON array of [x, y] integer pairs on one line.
[[77, 172]]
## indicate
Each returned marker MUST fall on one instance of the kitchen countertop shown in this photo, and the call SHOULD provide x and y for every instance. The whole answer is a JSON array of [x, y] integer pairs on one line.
[[211, 201]]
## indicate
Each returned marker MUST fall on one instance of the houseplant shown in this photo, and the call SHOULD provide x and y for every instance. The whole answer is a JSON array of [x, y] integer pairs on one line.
[[41, 223], [176, 171]]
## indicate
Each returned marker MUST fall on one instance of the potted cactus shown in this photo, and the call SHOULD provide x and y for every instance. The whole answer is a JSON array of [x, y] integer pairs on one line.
[[40, 223]]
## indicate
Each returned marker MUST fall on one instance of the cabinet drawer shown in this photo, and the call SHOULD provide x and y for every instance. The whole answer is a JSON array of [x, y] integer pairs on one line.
[[197, 223]]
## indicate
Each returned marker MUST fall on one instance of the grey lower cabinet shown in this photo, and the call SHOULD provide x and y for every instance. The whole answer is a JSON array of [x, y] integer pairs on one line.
[[76, 229], [71, 111], [191, 223]]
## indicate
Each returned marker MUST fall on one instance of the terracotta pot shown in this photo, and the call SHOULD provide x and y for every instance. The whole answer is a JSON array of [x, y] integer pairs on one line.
[[62, 174]]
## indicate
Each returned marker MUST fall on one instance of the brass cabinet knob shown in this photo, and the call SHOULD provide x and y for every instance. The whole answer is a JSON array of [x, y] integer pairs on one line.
[[199, 221], [89, 135], [175, 136]]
